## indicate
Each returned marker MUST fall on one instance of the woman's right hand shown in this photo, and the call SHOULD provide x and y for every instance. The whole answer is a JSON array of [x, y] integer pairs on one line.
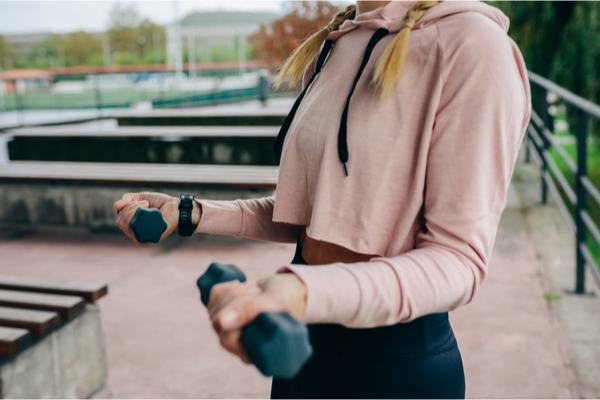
[[130, 202]]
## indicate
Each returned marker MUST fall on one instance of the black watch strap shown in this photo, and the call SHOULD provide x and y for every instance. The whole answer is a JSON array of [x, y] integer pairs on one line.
[[186, 205]]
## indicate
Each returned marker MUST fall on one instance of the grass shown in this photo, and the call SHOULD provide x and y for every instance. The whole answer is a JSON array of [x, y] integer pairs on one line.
[[551, 297], [593, 163]]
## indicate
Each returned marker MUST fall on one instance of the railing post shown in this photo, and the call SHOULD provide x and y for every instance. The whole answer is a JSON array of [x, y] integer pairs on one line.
[[98, 94], [582, 128], [20, 108], [527, 141], [263, 87], [546, 121]]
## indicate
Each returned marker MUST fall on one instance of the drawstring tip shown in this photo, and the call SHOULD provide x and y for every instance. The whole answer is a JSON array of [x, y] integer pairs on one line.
[[346, 169]]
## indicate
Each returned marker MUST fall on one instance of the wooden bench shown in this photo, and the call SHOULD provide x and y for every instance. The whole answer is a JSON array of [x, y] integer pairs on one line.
[[104, 141], [105, 160], [39, 306], [49, 330], [166, 132], [201, 117], [216, 176]]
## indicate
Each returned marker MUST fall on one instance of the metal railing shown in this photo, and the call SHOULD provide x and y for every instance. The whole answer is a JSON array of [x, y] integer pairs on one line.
[[539, 140]]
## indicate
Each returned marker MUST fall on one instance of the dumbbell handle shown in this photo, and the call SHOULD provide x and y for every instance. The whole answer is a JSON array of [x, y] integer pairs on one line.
[[276, 343], [147, 225]]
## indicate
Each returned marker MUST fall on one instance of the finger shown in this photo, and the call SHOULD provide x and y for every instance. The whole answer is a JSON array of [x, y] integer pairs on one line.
[[127, 198], [231, 341], [231, 294], [125, 217], [217, 290], [234, 317]]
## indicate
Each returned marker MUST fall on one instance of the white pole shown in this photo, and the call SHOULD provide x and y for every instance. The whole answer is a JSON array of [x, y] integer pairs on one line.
[[106, 50], [192, 54], [178, 52]]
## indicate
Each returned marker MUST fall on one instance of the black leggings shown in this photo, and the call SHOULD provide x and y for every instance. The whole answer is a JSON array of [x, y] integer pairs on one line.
[[419, 359]]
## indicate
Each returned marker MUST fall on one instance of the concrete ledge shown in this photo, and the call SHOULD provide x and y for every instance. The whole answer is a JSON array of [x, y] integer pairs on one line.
[[85, 206], [68, 363]]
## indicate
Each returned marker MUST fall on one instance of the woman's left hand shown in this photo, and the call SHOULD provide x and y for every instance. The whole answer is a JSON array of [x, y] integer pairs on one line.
[[232, 305]]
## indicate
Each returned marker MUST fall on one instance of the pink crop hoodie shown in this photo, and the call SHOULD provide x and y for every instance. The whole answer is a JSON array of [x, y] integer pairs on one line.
[[419, 179]]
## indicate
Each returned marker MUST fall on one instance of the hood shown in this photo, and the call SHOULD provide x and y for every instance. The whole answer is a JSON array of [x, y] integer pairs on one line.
[[392, 16], [383, 21]]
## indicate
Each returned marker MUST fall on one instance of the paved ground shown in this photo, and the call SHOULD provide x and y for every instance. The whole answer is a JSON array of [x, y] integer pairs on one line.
[[160, 344], [578, 316]]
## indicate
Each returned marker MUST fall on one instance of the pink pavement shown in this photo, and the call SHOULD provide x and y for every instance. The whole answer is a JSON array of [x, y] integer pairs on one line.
[[160, 343]]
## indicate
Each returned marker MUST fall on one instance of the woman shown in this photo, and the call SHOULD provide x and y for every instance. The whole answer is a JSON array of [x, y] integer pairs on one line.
[[395, 165]]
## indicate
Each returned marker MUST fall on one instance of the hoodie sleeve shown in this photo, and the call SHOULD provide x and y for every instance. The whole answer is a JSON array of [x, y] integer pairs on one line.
[[252, 219], [480, 122]]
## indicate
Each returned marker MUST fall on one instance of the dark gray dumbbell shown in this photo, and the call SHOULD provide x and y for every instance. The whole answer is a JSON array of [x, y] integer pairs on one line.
[[147, 225], [276, 343]]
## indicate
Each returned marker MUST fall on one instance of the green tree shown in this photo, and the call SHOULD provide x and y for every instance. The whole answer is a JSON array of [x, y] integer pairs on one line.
[[560, 40], [128, 33], [123, 24], [150, 32], [219, 53], [42, 54], [80, 47], [6, 54]]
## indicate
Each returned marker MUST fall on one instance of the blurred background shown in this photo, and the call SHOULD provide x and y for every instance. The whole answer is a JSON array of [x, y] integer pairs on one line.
[[101, 98]]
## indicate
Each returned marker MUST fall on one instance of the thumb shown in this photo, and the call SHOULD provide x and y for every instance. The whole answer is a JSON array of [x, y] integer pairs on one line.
[[233, 318], [144, 203]]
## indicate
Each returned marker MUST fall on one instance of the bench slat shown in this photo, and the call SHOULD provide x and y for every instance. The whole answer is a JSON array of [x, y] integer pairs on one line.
[[12, 340], [89, 291], [146, 131], [215, 175], [38, 322], [66, 306]]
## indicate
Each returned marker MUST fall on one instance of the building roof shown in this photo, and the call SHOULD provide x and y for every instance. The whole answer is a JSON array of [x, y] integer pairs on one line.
[[14, 74]]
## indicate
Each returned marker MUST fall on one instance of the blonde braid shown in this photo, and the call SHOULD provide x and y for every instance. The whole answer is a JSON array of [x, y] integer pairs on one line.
[[296, 64], [390, 65]]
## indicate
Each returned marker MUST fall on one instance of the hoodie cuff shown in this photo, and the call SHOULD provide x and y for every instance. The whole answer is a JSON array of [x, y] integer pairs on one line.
[[220, 218], [332, 293]]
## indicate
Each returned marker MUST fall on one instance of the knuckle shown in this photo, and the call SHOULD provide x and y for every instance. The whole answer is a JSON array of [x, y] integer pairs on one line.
[[249, 309], [228, 341]]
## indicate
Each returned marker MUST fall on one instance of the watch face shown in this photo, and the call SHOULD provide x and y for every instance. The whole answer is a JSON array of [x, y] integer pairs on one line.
[[186, 201]]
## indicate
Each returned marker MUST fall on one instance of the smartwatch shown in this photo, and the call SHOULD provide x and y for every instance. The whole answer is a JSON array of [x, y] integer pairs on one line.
[[186, 205]]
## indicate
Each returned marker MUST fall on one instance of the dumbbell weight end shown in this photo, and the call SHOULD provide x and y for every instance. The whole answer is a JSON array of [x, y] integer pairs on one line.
[[148, 225], [276, 343]]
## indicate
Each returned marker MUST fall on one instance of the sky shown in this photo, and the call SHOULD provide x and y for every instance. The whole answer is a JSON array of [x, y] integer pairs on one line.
[[68, 16]]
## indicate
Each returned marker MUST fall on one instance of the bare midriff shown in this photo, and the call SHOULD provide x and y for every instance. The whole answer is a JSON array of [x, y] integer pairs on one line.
[[317, 252]]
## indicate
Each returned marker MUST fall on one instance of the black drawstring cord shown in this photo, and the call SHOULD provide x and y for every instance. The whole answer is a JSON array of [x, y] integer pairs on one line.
[[288, 120], [342, 134]]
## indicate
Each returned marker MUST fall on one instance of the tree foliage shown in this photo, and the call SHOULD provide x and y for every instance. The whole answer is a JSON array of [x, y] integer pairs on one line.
[[6, 54], [276, 41], [132, 39], [80, 47], [560, 40]]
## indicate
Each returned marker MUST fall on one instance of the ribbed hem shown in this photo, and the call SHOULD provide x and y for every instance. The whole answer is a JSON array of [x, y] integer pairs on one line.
[[220, 218], [324, 302]]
